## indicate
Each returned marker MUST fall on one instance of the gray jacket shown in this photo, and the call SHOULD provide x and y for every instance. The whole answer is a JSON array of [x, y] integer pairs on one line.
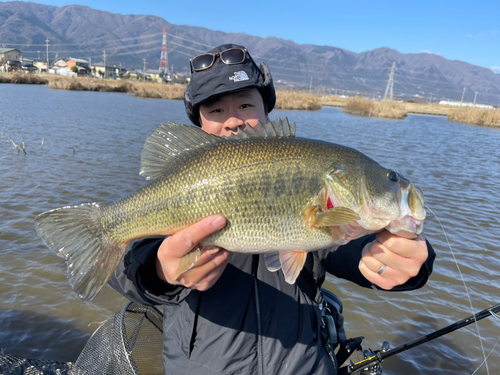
[[251, 321]]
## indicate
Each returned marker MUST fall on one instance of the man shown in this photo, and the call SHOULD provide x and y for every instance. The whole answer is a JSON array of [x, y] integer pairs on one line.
[[228, 314]]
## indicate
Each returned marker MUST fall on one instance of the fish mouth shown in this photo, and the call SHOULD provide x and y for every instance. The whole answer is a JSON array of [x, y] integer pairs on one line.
[[400, 220], [407, 227]]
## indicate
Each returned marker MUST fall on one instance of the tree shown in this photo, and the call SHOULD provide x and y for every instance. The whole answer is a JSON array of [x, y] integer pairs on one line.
[[74, 69], [120, 75], [93, 70]]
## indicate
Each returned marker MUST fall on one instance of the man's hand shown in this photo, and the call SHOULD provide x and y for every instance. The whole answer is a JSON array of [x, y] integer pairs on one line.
[[208, 268], [402, 258]]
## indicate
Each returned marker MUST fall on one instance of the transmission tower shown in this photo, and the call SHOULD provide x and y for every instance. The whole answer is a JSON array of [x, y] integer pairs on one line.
[[164, 58], [390, 85]]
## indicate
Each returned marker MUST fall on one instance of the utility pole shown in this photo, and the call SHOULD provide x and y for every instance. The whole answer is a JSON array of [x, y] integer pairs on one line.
[[430, 101], [47, 45], [461, 101], [389, 90], [144, 71], [104, 58], [475, 96], [310, 84]]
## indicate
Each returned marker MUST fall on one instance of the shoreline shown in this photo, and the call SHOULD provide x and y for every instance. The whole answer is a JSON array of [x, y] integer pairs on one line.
[[285, 99], [412, 111]]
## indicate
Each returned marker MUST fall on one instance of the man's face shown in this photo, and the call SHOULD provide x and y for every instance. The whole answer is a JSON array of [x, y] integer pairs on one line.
[[225, 114]]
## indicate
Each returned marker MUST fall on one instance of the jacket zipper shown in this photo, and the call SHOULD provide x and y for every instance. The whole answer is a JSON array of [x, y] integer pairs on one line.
[[260, 360]]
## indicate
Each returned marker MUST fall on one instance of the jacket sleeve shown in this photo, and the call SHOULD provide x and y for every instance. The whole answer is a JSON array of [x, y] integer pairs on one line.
[[136, 278], [344, 263]]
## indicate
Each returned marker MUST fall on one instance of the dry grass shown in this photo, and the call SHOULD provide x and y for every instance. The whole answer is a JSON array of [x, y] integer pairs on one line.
[[476, 116], [157, 90], [427, 108], [88, 84], [33, 79], [366, 107], [336, 101], [286, 99]]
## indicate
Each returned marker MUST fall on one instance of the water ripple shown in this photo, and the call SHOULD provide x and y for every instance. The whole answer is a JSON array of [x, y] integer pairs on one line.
[[91, 148]]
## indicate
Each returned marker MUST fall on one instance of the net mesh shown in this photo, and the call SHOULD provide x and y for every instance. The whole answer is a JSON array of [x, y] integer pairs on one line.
[[14, 365], [128, 343]]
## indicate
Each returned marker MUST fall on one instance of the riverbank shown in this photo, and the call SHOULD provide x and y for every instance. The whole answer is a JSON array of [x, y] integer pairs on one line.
[[371, 108], [285, 99], [374, 108], [137, 88]]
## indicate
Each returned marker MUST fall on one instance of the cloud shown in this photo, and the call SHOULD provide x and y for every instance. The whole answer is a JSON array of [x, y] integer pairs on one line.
[[496, 69], [491, 33]]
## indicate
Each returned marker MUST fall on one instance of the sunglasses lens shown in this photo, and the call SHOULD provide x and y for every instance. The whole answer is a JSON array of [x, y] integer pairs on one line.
[[233, 56], [202, 62]]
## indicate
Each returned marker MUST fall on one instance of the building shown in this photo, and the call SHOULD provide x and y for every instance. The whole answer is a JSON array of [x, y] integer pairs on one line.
[[10, 59], [111, 72], [82, 66], [158, 76], [41, 66], [464, 104], [135, 74], [27, 66], [67, 66]]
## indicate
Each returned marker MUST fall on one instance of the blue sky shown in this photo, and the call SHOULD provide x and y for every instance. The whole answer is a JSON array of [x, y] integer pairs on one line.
[[457, 30]]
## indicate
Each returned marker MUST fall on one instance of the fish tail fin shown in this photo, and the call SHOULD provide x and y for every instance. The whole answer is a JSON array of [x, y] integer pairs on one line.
[[75, 234]]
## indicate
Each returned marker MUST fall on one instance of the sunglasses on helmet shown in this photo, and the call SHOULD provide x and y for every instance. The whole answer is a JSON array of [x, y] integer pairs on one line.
[[232, 56]]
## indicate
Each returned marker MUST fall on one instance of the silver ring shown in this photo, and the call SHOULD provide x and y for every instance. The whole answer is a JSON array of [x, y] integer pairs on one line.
[[382, 269]]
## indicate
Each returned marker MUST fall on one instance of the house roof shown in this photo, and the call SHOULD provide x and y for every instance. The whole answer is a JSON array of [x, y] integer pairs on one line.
[[4, 50], [79, 60]]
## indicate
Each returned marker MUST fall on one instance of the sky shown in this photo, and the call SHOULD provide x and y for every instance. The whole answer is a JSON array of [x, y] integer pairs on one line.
[[457, 30]]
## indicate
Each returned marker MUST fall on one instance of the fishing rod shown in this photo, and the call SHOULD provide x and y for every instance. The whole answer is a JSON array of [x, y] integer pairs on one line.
[[371, 363]]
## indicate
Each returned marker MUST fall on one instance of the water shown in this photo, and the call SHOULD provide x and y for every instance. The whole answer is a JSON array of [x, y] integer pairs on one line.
[[91, 147]]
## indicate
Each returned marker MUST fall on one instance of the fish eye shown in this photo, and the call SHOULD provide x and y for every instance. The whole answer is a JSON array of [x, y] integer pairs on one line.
[[393, 176]]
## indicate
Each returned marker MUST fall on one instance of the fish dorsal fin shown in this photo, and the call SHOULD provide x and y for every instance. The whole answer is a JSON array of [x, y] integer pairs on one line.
[[167, 142], [276, 129]]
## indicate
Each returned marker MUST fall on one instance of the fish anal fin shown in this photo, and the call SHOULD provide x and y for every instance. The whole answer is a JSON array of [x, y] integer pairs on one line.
[[272, 260], [334, 217], [292, 263]]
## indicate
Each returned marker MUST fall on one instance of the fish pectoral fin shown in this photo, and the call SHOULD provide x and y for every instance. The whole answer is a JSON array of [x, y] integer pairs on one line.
[[272, 261], [335, 217], [188, 261], [292, 263]]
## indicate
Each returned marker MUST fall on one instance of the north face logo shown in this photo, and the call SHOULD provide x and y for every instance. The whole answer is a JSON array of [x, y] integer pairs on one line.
[[239, 76]]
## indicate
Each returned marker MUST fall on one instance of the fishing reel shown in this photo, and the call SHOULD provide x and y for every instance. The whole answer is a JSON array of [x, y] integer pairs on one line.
[[369, 361], [373, 368]]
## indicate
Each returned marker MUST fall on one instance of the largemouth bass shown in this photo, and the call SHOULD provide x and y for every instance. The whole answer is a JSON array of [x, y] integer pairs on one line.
[[280, 195]]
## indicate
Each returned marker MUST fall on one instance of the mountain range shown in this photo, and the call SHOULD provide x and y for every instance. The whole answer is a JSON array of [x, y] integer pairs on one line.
[[135, 41]]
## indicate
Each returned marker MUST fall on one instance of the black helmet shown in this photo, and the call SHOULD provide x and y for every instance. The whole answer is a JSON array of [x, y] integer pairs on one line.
[[221, 78]]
